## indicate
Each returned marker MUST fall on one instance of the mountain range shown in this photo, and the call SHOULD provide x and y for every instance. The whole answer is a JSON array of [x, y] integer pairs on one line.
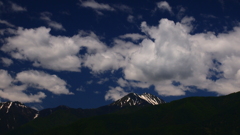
[[131, 115], [15, 114]]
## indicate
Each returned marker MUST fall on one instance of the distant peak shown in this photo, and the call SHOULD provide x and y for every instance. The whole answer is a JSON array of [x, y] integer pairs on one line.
[[141, 100]]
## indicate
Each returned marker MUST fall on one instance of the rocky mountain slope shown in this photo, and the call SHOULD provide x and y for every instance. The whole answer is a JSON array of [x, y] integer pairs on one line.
[[15, 114], [140, 100], [188, 116]]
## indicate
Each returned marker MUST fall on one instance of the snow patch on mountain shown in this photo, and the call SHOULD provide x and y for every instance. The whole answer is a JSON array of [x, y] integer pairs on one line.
[[9, 106], [36, 116], [1, 106]]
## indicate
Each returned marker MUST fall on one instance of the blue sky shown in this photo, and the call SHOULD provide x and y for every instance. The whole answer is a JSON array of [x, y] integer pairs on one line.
[[86, 53]]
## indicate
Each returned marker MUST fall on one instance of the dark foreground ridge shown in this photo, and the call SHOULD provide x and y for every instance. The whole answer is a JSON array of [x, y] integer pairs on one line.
[[188, 116], [15, 114]]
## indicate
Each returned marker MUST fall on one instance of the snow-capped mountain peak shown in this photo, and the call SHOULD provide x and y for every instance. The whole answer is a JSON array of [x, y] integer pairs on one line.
[[13, 114], [141, 100]]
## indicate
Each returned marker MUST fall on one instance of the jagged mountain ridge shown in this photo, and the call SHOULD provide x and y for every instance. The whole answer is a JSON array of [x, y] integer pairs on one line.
[[16, 114], [192, 115], [129, 100], [188, 116], [140, 100]]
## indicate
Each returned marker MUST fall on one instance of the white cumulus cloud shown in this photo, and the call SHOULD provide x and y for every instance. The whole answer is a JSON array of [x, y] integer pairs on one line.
[[6, 23], [103, 80], [16, 92], [130, 18], [95, 5], [98, 7], [163, 5], [133, 36], [115, 93], [111, 58], [125, 83], [6, 79], [55, 25], [58, 53], [43, 80], [172, 54], [9, 89], [6, 61], [17, 8], [166, 53]]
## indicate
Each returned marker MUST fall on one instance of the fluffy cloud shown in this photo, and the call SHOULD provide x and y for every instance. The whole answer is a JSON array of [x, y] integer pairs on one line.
[[123, 8], [7, 31], [115, 93], [90, 82], [14, 95], [122, 82], [52, 52], [103, 80], [42, 80], [81, 89], [166, 88], [55, 25], [15, 92], [6, 23], [130, 18], [5, 78], [6, 62], [17, 8], [103, 61], [163, 5], [95, 5], [111, 58], [44, 50], [167, 53], [187, 21], [125, 83], [165, 58], [35, 79], [171, 54], [118, 92], [133, 36], [181, 12]]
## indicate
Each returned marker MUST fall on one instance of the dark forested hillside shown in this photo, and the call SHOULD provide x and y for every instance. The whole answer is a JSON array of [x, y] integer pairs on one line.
[[63, 115], [194, 115]]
